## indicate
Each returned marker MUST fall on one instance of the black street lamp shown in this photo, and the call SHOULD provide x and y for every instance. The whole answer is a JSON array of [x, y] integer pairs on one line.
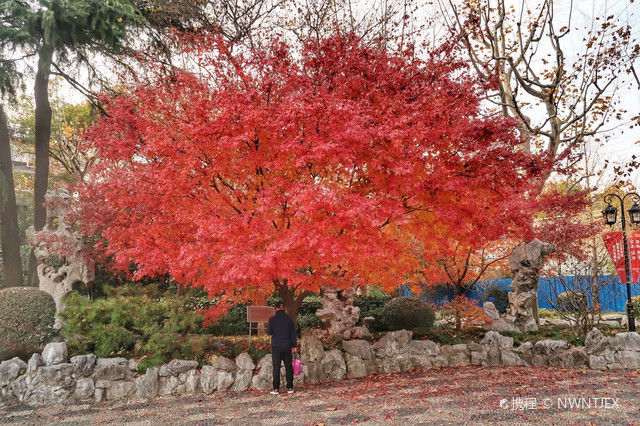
[[610, 213]]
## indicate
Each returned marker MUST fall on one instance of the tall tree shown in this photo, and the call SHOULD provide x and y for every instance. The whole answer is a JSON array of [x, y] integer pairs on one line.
[[58, 32], [289, 169], [554, 74], [11, 262]]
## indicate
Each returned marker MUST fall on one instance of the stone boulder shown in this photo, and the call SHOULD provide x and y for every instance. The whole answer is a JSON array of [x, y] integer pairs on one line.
[[54, 353], [493, 338], [244, 362], [34, 363], [112, 369], [355, 366], [338, 314], [359, 348], [571, 358], [147, 386], [10, 370], [176, 367], [311, 349], [392, 344], [490, 310], [83, 364], [525, 263], [334, 366], [85, 388]]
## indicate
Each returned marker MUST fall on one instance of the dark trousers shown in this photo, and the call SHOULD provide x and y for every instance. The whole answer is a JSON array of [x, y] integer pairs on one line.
[[278, 355]]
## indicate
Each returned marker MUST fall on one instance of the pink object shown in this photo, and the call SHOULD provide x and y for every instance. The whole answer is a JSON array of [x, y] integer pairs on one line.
[[297, 366]]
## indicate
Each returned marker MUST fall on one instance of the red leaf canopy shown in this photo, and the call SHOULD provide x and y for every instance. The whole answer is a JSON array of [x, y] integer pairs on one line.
[[291, 165]]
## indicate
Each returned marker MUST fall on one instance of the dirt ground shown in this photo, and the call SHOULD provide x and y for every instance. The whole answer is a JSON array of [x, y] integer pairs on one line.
[[470, 395]]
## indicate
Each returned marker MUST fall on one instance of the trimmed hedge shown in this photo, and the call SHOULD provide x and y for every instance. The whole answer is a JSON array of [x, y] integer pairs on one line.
[[27, 316], [408, 312]]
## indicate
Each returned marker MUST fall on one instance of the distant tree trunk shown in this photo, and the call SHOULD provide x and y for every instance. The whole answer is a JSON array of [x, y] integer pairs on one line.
[[12, 265], [42, 138]]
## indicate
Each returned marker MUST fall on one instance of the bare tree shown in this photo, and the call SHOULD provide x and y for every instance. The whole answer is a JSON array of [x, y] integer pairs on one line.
[[559, 99]]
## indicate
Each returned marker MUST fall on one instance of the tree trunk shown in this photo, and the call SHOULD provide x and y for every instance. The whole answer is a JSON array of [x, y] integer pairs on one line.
[[12, 264], [292, 302], [42, 138]]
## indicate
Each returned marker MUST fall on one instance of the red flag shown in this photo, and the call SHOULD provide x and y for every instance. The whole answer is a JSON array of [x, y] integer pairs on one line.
[[613, 242]]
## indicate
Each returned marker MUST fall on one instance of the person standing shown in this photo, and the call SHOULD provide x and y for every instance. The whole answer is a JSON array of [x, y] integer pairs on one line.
[[283, 342]]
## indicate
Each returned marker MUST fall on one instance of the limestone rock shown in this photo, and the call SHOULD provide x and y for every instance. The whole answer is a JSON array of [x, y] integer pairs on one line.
[[490, 310], [224, 364], [34, 363], [423, 347], [570, 358], [168, 385], [132, 364], [493, 338], [112, 369], [83, 364], [626, 359], [546, 347], [456, 355], [357, 333], [392, 344], [225, 380], [147, 386], [54, 353], [60, 237], [509, 358], [85, 387], [597, 362], [119, 389], [355, 366], [48, 395], [311, 349], [595, 342], [338, 313], [626, 341], [192, 382], [208, 379], [244, 362], [177, 366], [10, 370], [334, 365], [314, 373], [243, 380], [56, 375], [359, 348], [525, 263]]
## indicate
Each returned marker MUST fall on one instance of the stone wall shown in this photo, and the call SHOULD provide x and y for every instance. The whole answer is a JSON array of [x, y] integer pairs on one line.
[[51, 378]]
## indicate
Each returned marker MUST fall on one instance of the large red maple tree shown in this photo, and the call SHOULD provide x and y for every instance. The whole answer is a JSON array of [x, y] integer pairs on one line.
[[290, 169]]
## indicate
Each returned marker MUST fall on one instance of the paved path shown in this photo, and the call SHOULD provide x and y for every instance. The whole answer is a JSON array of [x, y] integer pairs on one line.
[[450, 395]]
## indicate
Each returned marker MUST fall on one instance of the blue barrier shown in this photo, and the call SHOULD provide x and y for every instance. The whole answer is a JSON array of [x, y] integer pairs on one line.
[[612, 294]]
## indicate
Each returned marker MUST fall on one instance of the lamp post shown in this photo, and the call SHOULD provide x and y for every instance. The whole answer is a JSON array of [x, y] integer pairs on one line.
[[610, 213]]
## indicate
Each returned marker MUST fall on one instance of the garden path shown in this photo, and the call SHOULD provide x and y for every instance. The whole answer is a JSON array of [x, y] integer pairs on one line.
[[451, 395]]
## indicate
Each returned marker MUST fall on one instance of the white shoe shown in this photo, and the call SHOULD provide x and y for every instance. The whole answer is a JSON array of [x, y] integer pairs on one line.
[[275, 392], [289, 390]]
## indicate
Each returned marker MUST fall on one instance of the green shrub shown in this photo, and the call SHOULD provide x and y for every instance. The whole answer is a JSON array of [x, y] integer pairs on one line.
[[571, 301], [26, 321], [134, 321], [309, 321], [233, 323], [636, 306], [373, 306], [499, 296], [310, 305], [408, 312]]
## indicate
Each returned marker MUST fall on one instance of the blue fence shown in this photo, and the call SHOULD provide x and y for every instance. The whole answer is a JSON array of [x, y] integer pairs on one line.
[[612, 294]]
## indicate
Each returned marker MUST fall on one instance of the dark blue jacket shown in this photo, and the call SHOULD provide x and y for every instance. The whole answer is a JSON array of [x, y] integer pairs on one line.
[[281, 330]]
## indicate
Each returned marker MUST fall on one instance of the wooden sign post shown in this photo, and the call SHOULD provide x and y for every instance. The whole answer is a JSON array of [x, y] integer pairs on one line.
[[259, 315]]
